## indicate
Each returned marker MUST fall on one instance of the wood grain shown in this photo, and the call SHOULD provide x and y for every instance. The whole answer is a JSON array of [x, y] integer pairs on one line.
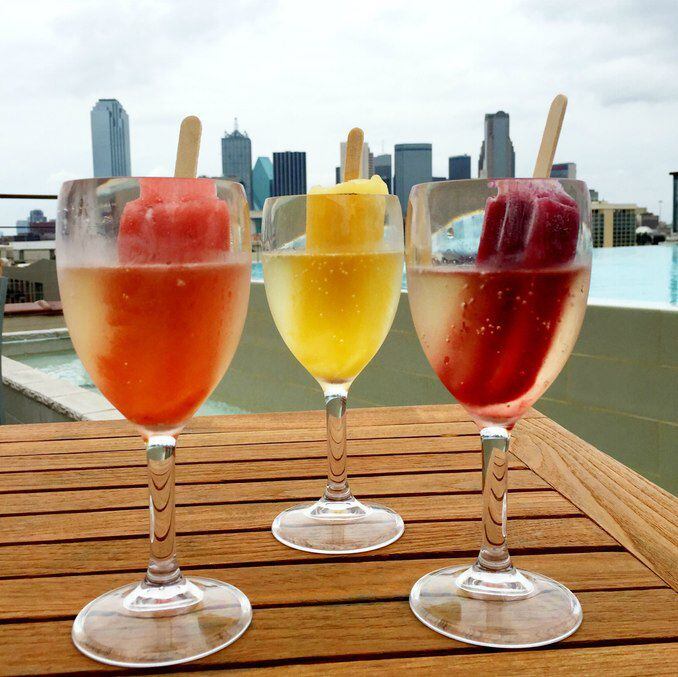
[[256, 547], [64, 526], [636, 512], [620, 661], [327, 582], [296, 421], [275, 490], [345, 631]]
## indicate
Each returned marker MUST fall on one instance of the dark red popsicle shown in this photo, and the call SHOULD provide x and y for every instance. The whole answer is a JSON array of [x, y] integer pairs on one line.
[[529, 224]]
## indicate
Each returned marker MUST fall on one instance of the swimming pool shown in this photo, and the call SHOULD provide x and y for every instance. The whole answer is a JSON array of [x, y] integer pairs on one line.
[[630, 275], [65, 365]]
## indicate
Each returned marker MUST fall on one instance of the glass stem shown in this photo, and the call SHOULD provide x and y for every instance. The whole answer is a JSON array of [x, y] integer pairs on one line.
[[494, 554], [163, 568], [337, 477]]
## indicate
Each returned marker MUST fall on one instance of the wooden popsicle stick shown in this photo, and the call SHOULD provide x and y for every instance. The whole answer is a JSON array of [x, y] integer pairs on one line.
[[549, 140], [354, 154], [186, 165]]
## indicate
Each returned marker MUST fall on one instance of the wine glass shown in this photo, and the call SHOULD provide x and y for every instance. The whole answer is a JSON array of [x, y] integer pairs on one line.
[[498, 276], [154, 278], [333, 273]]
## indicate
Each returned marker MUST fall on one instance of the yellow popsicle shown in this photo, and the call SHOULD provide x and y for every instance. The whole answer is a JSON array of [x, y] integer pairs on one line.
[[352, 222]]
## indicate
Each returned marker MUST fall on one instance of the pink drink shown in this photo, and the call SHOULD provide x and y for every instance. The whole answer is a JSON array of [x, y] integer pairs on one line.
[[498, 333], [497, 340]]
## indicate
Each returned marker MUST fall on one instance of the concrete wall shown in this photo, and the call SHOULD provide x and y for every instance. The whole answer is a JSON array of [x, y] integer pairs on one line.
[[619, 390]]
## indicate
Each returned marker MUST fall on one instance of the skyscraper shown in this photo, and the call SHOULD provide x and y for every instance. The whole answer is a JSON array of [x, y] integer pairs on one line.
[[459, 167], [364, 160], [110, 139], [382, 167], [289, 173], [413, 164], [236, 158], [497, 157], [262, 182], [564, 170]]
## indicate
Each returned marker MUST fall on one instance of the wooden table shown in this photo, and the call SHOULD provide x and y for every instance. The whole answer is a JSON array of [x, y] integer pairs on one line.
[[74, 525]]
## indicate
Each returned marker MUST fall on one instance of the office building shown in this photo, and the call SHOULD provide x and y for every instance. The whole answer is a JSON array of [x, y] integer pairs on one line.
[[564, 170], [365, 170], [236, 158], [497, 157], [110, 139], [262, 182], [614, 225], [383, 168], [337, 175], [413, 165], [674, 225], [289, 173], [459, 167]]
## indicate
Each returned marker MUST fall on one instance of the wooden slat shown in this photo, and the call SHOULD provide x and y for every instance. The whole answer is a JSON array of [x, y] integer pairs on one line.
[[620, 661], [238, 471], [422, 539], [119, 452], [267, 436], [276, 490], [96, 453], [636, 512], [373, 416], [233, 516], [348, 631], [327, 582]]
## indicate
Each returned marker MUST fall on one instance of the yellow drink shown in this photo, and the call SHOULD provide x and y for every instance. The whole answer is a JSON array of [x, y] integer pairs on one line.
[[333, 310]]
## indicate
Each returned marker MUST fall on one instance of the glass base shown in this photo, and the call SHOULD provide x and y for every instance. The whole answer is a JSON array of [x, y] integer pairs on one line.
[[338, 527], [138, 627], [504, 610]]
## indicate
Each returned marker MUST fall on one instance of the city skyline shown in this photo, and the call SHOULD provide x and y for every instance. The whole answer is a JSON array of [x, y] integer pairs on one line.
[[621, 138]]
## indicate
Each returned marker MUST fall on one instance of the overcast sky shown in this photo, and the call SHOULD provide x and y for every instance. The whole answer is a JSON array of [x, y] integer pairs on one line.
[[299, 74]]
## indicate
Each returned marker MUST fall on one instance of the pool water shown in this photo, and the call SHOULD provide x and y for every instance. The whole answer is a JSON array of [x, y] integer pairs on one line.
[[642, 275], [636, 274], [64, 364]]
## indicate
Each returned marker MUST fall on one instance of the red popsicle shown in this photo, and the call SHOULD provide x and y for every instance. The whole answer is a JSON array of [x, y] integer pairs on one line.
[[517, 296], [174, 221], [529, 224]]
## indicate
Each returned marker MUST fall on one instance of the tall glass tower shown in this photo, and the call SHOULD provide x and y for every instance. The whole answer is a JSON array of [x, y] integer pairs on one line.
[[497, 157], [459, 167], [289, 173], [236, 158], [110, 139], [382, 166], [413, 164], [262, 182]]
